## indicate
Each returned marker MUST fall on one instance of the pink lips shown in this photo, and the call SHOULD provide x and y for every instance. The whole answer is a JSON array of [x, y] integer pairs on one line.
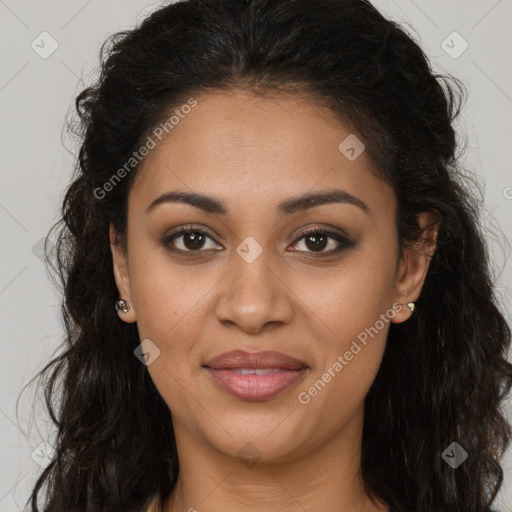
[[255, 376]]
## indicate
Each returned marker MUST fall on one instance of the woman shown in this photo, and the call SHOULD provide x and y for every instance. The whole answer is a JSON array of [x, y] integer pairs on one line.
[[268, 193]]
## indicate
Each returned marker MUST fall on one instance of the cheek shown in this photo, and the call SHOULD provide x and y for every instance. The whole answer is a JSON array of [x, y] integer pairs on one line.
[[352, 297], [337, 389], [167, 306], [331, 398], [172, 307], [163, 294], [355, 306]]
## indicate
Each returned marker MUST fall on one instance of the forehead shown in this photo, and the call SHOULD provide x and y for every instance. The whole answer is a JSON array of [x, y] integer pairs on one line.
[[244, 148]]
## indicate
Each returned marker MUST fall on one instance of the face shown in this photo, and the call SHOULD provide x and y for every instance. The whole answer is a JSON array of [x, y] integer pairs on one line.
[[246, 275]]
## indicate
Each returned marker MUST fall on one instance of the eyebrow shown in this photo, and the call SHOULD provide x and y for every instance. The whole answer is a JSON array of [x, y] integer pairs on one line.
[[287, 207]]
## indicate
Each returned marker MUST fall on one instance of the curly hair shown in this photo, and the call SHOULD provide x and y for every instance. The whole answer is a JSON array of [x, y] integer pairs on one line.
[[444, 372]]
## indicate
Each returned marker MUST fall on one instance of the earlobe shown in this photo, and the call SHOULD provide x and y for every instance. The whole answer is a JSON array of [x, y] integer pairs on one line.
[[123, 305]]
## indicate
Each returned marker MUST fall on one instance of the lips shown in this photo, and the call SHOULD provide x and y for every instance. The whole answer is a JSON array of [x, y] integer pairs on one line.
[[266, 359], [255, 376]]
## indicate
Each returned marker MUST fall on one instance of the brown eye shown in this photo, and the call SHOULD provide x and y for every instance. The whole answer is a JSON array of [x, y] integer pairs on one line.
[[192, 240], [316, 240]]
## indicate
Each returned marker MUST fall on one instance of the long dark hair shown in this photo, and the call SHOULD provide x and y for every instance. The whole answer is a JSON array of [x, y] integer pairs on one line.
[[444, 373]]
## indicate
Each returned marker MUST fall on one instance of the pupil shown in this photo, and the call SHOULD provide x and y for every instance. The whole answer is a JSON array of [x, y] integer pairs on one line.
[[317, 244], [194, 239]]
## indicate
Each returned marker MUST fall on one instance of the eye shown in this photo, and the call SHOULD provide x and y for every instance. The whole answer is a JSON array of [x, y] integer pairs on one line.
[[315, 239], [193, 240], [318, 239]]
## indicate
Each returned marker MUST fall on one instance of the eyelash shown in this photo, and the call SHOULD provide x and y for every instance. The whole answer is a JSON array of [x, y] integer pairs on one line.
[[344, 242]]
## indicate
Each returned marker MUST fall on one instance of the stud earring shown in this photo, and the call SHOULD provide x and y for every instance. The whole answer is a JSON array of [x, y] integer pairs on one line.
[[122, 305], [410, 305]]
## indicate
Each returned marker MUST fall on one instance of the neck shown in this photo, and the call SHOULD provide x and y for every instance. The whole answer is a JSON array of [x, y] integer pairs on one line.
[[325, 477]]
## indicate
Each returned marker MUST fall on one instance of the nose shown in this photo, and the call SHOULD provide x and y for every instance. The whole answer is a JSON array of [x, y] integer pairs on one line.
[[254, 296]]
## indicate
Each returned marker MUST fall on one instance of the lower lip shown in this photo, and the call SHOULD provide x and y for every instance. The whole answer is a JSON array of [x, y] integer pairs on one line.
[[255, 387]]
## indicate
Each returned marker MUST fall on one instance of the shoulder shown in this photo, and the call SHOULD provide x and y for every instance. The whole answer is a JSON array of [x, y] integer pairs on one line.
[[154, 506]]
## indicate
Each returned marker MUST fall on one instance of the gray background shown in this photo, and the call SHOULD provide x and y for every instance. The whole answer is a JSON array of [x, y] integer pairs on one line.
[[35, 95]]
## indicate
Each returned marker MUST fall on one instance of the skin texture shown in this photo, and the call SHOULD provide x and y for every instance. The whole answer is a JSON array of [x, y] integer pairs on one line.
[[252, 153]]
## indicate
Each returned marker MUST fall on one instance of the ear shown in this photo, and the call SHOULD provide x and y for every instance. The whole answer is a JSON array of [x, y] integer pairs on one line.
[[413, 267], [121, 275]]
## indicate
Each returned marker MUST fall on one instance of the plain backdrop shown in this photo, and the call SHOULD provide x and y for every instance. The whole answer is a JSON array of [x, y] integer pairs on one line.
[[50, 50]]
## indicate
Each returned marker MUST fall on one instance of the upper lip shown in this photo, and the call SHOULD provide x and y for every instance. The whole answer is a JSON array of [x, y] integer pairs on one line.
[[264, 359]]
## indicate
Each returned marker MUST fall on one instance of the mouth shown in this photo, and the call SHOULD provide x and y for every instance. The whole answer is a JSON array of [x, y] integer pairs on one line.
[[255, 376]]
